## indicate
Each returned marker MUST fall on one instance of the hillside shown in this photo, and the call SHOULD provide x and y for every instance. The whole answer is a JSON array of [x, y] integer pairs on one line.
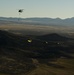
[[54, 37], [36, 55]]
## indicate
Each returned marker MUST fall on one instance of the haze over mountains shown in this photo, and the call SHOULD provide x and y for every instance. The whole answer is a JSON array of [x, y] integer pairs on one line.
[[43, 21], [36, 46]]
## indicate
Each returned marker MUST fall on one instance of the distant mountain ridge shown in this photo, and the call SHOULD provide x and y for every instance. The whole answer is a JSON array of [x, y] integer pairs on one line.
[[47, 21]]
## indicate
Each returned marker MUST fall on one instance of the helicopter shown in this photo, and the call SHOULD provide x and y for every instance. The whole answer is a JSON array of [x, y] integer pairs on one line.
[[20, 11]]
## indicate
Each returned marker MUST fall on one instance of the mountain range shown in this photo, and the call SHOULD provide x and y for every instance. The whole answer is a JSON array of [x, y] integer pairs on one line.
[[40, 21]]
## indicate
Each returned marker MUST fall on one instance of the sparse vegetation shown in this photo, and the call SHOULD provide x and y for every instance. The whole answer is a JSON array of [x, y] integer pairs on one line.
[[44, 55]]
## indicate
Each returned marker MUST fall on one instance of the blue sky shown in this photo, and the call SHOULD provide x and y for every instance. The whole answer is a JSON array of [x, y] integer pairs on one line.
[[37, 8]]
